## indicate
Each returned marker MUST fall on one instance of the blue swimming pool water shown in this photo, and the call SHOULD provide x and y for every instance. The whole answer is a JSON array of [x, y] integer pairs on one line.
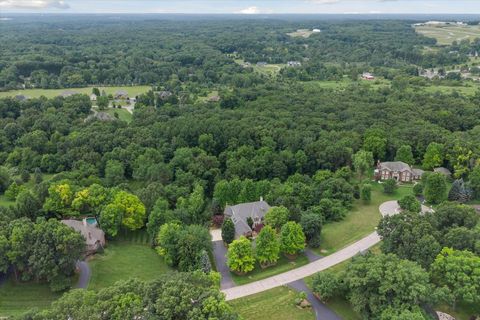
[[92, 221]]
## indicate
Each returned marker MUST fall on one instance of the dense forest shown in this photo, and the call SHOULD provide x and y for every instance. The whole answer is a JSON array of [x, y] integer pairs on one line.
[[171, 171]]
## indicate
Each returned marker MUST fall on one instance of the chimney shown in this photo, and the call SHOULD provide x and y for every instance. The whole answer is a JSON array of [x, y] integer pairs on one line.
[[261, 198]]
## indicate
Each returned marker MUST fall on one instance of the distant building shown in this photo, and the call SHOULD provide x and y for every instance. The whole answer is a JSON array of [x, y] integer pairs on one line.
[[443, 171], [164, 94], [316, 30], [121, 95], [21, 97], [214, 99], [68, 93], [94, 236], [368, 76], [294, 64], [241, 212], [93, 97], [261, 64]]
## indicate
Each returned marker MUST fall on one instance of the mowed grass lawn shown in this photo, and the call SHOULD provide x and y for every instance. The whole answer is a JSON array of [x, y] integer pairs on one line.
[[123, 114], [123, 260], [359, 222], [275, 304], [18, 298], [282, 265], [51, 93], [447, 34]]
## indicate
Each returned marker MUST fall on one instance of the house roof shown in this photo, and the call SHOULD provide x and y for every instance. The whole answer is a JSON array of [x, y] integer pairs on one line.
[[240, 212], [68, 93], [442, 170], [395, 166], [21, 97], [418, 172], [92, 234], [121, 92]]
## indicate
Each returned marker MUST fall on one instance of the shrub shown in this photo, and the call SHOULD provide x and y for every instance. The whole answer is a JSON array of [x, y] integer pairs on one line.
[[228, 231], [389, 186], [325, 285]]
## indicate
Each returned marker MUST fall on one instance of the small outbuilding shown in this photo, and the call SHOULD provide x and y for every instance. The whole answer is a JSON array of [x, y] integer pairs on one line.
[[93, 97]]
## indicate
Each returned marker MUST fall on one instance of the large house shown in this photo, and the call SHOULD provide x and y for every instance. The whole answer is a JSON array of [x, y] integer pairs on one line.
[[397, 170], [94, 236], [121, 95], [241, 212]]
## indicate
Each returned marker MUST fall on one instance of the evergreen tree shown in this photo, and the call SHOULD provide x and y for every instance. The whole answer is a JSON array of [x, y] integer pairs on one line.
[[228, 231]]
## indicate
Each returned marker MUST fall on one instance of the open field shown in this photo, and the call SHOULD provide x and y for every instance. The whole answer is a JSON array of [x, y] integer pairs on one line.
[[17, 298], [258, 273], [304, 33], [124, 259], [359, 222], [51, 93], [267, 70], [122, 114], [277, 304], [468, 90], [447, 34]]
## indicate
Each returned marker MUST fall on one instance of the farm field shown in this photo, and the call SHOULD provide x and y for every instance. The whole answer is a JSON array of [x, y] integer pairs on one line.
[[267, 70], [303, 33], [275, 304], [447, 34], [51, 93]]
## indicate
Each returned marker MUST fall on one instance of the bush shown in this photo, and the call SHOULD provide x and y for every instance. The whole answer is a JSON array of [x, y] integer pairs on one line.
[[410, 203], [325, 285], [418, 189], [217, 220], [389, 186], [228, 231], [366, 192]]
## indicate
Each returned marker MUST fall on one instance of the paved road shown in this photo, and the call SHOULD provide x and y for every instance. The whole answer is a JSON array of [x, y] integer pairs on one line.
[[85, 274], [322, 312], [304, 271], [220, 252]]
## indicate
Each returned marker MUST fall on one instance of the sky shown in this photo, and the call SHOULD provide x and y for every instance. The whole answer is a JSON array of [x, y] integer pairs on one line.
[[243, 6]]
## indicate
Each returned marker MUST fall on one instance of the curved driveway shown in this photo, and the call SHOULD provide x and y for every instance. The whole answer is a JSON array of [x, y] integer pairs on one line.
[[85, 274], [388, 208]]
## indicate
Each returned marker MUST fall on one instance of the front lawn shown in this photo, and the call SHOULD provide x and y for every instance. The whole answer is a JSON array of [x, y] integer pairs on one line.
[[123, 114], [123, 260], [258, 273], [359, 222], [277, 304], [18, 298]]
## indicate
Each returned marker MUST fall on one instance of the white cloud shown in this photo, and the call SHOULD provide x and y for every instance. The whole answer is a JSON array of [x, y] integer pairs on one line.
[[33, 4], [325, 1], [250, 10]]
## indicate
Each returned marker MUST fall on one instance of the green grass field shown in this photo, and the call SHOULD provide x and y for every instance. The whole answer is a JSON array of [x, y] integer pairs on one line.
[[467, 89], [267, 70], [447, 34], [258, 273], [275, 304], [301, 33], [17, 298], [123, 114], [51, 93], [129, 257], [359, 222]]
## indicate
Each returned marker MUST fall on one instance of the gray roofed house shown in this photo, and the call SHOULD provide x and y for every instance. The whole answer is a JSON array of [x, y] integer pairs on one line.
[[68, 93], [443, 170], [121, 94], [21, 97], [240, 213], [397, 170], [94, 236], [417, 173], [164, 94]]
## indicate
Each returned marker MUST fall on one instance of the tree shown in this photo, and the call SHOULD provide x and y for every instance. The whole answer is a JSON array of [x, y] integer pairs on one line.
[[292, 238], [167, 243], [375, 142], [459, 191], [277, 217], [474, 181], [110, 219], [102, 102], [410, 236], [25, 176], [404, 154], [160, 215], [5, 179], [267, 247], [174, 296], [457, 272], [192, 241], [13, 190], [410, 203], [240, 258], [362, 162], [228, 231], [389, 186], [366, 192], [96, 92], [114, 173], [28, 205], [59, 200], [312, 227], [325, 285], [450, 215], [375, 283], [131, 209], [193, 207], [418, 188], [433, 157], [435, 190], [37, 176]]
